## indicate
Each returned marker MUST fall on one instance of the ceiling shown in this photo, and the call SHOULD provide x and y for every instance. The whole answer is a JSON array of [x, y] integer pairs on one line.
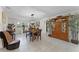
[[48, 10], [24, 12]]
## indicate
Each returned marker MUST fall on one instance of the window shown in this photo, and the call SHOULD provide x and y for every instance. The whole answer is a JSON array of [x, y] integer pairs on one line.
[[64, 27]]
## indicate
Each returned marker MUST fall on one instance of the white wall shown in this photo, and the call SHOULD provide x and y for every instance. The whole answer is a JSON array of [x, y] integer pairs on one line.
[[0, 18], [43, 25], [3, 19], [1, 26]]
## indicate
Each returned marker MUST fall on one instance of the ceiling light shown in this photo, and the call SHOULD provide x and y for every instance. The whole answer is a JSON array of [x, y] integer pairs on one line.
[[18, 23]]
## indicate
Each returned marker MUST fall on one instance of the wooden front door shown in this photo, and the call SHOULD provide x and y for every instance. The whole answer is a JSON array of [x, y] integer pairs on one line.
[[61, 30]]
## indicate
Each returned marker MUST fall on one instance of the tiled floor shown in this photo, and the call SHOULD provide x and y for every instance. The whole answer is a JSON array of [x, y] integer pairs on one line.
[[47, 44]]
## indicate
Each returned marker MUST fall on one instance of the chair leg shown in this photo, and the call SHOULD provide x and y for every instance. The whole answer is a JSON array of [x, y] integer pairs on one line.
[[26, 35], [37, 37], [30, 38], [33, 37], [40, 37]]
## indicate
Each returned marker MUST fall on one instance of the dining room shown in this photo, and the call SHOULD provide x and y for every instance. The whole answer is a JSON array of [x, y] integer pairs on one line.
[[32, 25]]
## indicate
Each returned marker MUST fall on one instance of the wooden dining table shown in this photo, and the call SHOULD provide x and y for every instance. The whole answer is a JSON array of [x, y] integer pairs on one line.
[[35, 34]]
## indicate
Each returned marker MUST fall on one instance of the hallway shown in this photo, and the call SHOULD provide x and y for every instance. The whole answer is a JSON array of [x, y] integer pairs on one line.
[[47, 44]]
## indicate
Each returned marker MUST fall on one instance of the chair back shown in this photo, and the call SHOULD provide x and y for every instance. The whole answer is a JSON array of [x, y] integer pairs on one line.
[[8, 37]]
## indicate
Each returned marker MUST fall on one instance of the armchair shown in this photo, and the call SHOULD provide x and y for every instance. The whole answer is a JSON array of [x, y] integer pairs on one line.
[[8, 42]]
